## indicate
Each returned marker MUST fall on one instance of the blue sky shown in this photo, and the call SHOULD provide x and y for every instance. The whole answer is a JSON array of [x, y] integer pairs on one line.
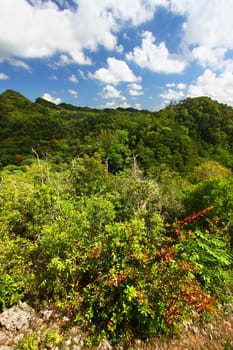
[[111, 53]]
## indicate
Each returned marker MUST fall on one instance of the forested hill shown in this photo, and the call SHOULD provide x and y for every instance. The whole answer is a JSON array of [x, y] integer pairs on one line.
[[179, 137], [116, 223]]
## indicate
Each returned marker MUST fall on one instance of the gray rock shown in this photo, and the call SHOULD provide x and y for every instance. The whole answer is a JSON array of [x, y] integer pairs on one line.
[[3, 337], [196, 330], [17, 318], [46, 314], [104, 345], [78, 340]]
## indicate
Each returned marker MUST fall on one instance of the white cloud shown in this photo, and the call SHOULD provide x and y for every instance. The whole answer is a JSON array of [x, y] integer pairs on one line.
[[115, 104], [135, 89], [156, 57], [138, 106], [207, 35], [120, 49], [73, 78], [117, 71], [135, 86], [219, 87], [125, 105], [207, 31], [110, 91], [162, 105], [169, 85], [43, 28], [65, 60], [82, 74], [3, 76], [209, 57], [207, 24], [18, 64], [73, 93], [49, 98], [172, 94], [181, 86], [133, 92], [125, 36]]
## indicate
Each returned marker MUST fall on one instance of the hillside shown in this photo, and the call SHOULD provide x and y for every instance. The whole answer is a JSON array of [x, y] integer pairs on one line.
[[180, 136], [116, 224]]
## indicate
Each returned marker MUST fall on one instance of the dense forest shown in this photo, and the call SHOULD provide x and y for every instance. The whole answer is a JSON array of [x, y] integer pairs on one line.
[[121, 219], [179, 137]]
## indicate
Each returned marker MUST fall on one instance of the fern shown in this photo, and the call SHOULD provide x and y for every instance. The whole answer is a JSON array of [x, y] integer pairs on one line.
[[211, 257], [213, 249]]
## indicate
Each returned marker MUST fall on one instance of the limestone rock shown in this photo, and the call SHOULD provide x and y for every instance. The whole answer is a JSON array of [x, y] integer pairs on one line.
[[17, 317]]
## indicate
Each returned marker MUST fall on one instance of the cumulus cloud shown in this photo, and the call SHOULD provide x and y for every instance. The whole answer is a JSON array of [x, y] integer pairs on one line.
[[156, 57], [48, 97], [64, 60], [172, 94], [138, 106], [209, 24], [210, 57], [73, 78], [73, 93], [117, 71], [206, 30], [3, 76], [219, 87], [135, 92], [48, 27], [135, 86], [110, 91], [181, 86], [135, 89], [115, 104]]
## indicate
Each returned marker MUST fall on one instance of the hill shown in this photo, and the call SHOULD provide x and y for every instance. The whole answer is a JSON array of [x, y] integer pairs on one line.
[[117, 222], [180, 136]]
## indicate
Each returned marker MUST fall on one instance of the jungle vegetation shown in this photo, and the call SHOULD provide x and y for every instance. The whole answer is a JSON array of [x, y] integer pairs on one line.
[[122, 218]]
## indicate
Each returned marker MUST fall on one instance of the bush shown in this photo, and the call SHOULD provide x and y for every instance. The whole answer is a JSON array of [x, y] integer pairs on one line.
[[108, 257]]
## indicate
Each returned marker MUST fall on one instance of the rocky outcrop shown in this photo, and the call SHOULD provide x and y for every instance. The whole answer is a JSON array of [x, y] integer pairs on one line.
[[22, 328], [14, 323]]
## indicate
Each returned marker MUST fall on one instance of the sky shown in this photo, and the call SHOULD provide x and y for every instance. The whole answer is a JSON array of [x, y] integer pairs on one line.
[[142, 54]]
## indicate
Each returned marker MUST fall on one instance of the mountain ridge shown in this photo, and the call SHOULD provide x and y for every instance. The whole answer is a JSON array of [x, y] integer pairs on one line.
[[179, 136]]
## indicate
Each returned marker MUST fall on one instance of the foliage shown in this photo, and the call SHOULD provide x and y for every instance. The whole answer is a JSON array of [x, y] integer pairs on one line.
[[181, 136], [99, 247], [29, 342], [208, 170], [125, 251]]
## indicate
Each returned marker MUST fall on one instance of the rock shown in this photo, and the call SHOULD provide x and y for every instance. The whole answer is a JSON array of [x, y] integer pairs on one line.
[[204, 332], [78, 340], [104, 345], [119, 347], [196, 330], [46, 314], [138, 344], [227, 324], [187, 325], [3, 337], [17, 318]]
